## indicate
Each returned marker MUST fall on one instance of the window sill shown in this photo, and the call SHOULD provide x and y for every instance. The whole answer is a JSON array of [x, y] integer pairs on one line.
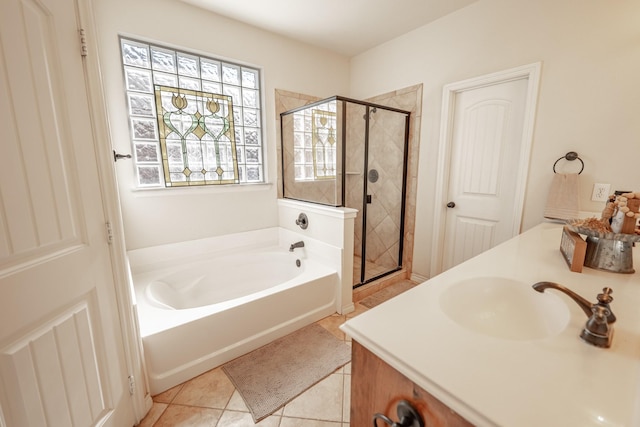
[[204, 189]]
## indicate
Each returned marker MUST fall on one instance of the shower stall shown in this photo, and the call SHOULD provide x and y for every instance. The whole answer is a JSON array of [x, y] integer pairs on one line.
[[351, 153]]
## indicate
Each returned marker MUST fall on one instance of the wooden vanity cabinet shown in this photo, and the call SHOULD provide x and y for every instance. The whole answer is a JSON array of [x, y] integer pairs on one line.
[[376, 387]]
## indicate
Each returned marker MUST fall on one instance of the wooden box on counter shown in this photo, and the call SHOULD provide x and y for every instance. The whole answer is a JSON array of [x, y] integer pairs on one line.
[[573, 249]]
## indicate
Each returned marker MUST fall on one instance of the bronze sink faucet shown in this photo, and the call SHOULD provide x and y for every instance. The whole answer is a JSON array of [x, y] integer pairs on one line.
[[598, 330]]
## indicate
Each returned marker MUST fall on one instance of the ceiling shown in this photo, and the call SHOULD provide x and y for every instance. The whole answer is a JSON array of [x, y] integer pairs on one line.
[[348, 27]]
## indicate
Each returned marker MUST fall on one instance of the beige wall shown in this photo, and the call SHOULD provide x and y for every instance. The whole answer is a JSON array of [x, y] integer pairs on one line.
[[589, 98], [164, 216]]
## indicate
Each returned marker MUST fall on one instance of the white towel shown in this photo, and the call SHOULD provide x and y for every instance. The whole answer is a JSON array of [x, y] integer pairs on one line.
[[563, 200]]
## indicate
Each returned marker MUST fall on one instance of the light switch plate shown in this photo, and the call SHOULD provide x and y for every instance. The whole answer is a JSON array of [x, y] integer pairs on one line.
[[600, 192]]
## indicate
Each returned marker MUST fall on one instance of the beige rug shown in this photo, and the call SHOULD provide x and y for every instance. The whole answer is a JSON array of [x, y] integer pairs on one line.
[[273, 375], [387, 293]]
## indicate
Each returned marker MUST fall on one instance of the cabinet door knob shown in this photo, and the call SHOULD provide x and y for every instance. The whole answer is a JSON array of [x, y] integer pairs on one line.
[[408, 415], [451, 205]]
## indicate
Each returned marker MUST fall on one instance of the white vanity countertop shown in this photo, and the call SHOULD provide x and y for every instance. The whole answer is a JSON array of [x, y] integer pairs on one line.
[[557, 380]]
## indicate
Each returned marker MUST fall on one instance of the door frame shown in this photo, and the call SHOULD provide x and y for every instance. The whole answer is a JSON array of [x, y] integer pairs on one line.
[[140, 398], [531, 72]]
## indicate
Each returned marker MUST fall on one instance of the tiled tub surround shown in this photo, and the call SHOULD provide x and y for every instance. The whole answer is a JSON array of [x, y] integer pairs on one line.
[[182, 343]]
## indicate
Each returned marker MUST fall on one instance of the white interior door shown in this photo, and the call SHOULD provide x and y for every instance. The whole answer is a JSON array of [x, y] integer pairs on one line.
[[484, 173], [61, 349], [485, 143]]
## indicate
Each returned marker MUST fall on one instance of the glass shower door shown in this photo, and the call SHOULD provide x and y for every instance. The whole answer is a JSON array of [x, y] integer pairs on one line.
[[385, 190]]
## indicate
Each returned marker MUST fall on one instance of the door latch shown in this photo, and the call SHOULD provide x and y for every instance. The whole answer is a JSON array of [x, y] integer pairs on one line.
[[118, 156]]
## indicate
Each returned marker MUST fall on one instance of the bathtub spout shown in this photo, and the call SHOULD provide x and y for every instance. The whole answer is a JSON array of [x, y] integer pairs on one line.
[[299, 244]]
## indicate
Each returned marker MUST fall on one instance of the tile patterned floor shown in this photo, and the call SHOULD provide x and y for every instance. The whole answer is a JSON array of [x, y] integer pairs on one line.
[[211, 399]]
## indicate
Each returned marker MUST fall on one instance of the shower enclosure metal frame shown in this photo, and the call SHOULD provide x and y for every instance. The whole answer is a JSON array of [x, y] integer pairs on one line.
[[341, 200]]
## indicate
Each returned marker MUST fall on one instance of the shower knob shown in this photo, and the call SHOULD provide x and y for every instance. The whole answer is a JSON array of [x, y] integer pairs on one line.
[[451, 205], [302, 221]]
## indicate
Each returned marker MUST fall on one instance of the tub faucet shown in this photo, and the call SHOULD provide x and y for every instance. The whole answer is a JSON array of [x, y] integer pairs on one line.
[[299, 244], [597, 330]]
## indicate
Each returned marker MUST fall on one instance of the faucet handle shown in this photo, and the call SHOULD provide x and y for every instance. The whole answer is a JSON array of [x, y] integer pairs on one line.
[[605, 297], [603, 300], [597, 330]]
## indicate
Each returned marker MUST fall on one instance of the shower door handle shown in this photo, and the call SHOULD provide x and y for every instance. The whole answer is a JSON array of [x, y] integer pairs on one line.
[[451, 205], [368, 199]]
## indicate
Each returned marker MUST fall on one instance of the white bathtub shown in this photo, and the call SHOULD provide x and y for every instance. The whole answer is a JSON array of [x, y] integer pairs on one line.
[[232, 295]]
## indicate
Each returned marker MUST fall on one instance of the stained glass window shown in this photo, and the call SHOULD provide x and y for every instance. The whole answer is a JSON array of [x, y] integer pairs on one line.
[[193, 145], [197, 137], [315, 142]]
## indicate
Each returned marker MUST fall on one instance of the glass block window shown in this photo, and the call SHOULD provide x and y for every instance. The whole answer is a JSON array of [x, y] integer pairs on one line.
[[314, 133], [194, 120]]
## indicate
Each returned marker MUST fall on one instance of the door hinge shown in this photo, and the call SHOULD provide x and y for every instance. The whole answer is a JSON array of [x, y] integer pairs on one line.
[[83, 43], [132, 384], [109, 232]]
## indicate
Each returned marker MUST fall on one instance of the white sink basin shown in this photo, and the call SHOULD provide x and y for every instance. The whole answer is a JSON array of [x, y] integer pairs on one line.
[[504, 308]]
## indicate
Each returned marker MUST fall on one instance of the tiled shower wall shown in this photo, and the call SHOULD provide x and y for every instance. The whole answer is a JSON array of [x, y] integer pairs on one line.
[[383, 215], [355, 168], [320, 191]]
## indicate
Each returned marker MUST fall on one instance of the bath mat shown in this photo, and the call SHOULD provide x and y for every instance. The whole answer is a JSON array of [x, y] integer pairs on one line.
[[273, 375], [387, 293]]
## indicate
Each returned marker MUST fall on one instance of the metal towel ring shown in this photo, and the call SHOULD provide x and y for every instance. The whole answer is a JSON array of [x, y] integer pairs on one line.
[[570, 156]]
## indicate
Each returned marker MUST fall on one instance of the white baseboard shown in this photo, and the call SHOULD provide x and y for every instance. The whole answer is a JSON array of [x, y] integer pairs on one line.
[[418, 278], [348, 308]]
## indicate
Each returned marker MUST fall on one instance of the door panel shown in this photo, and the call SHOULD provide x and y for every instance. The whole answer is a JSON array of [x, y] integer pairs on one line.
[[40, 218], [61, 349], [58, 356], [485, 153], [472, 236]]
